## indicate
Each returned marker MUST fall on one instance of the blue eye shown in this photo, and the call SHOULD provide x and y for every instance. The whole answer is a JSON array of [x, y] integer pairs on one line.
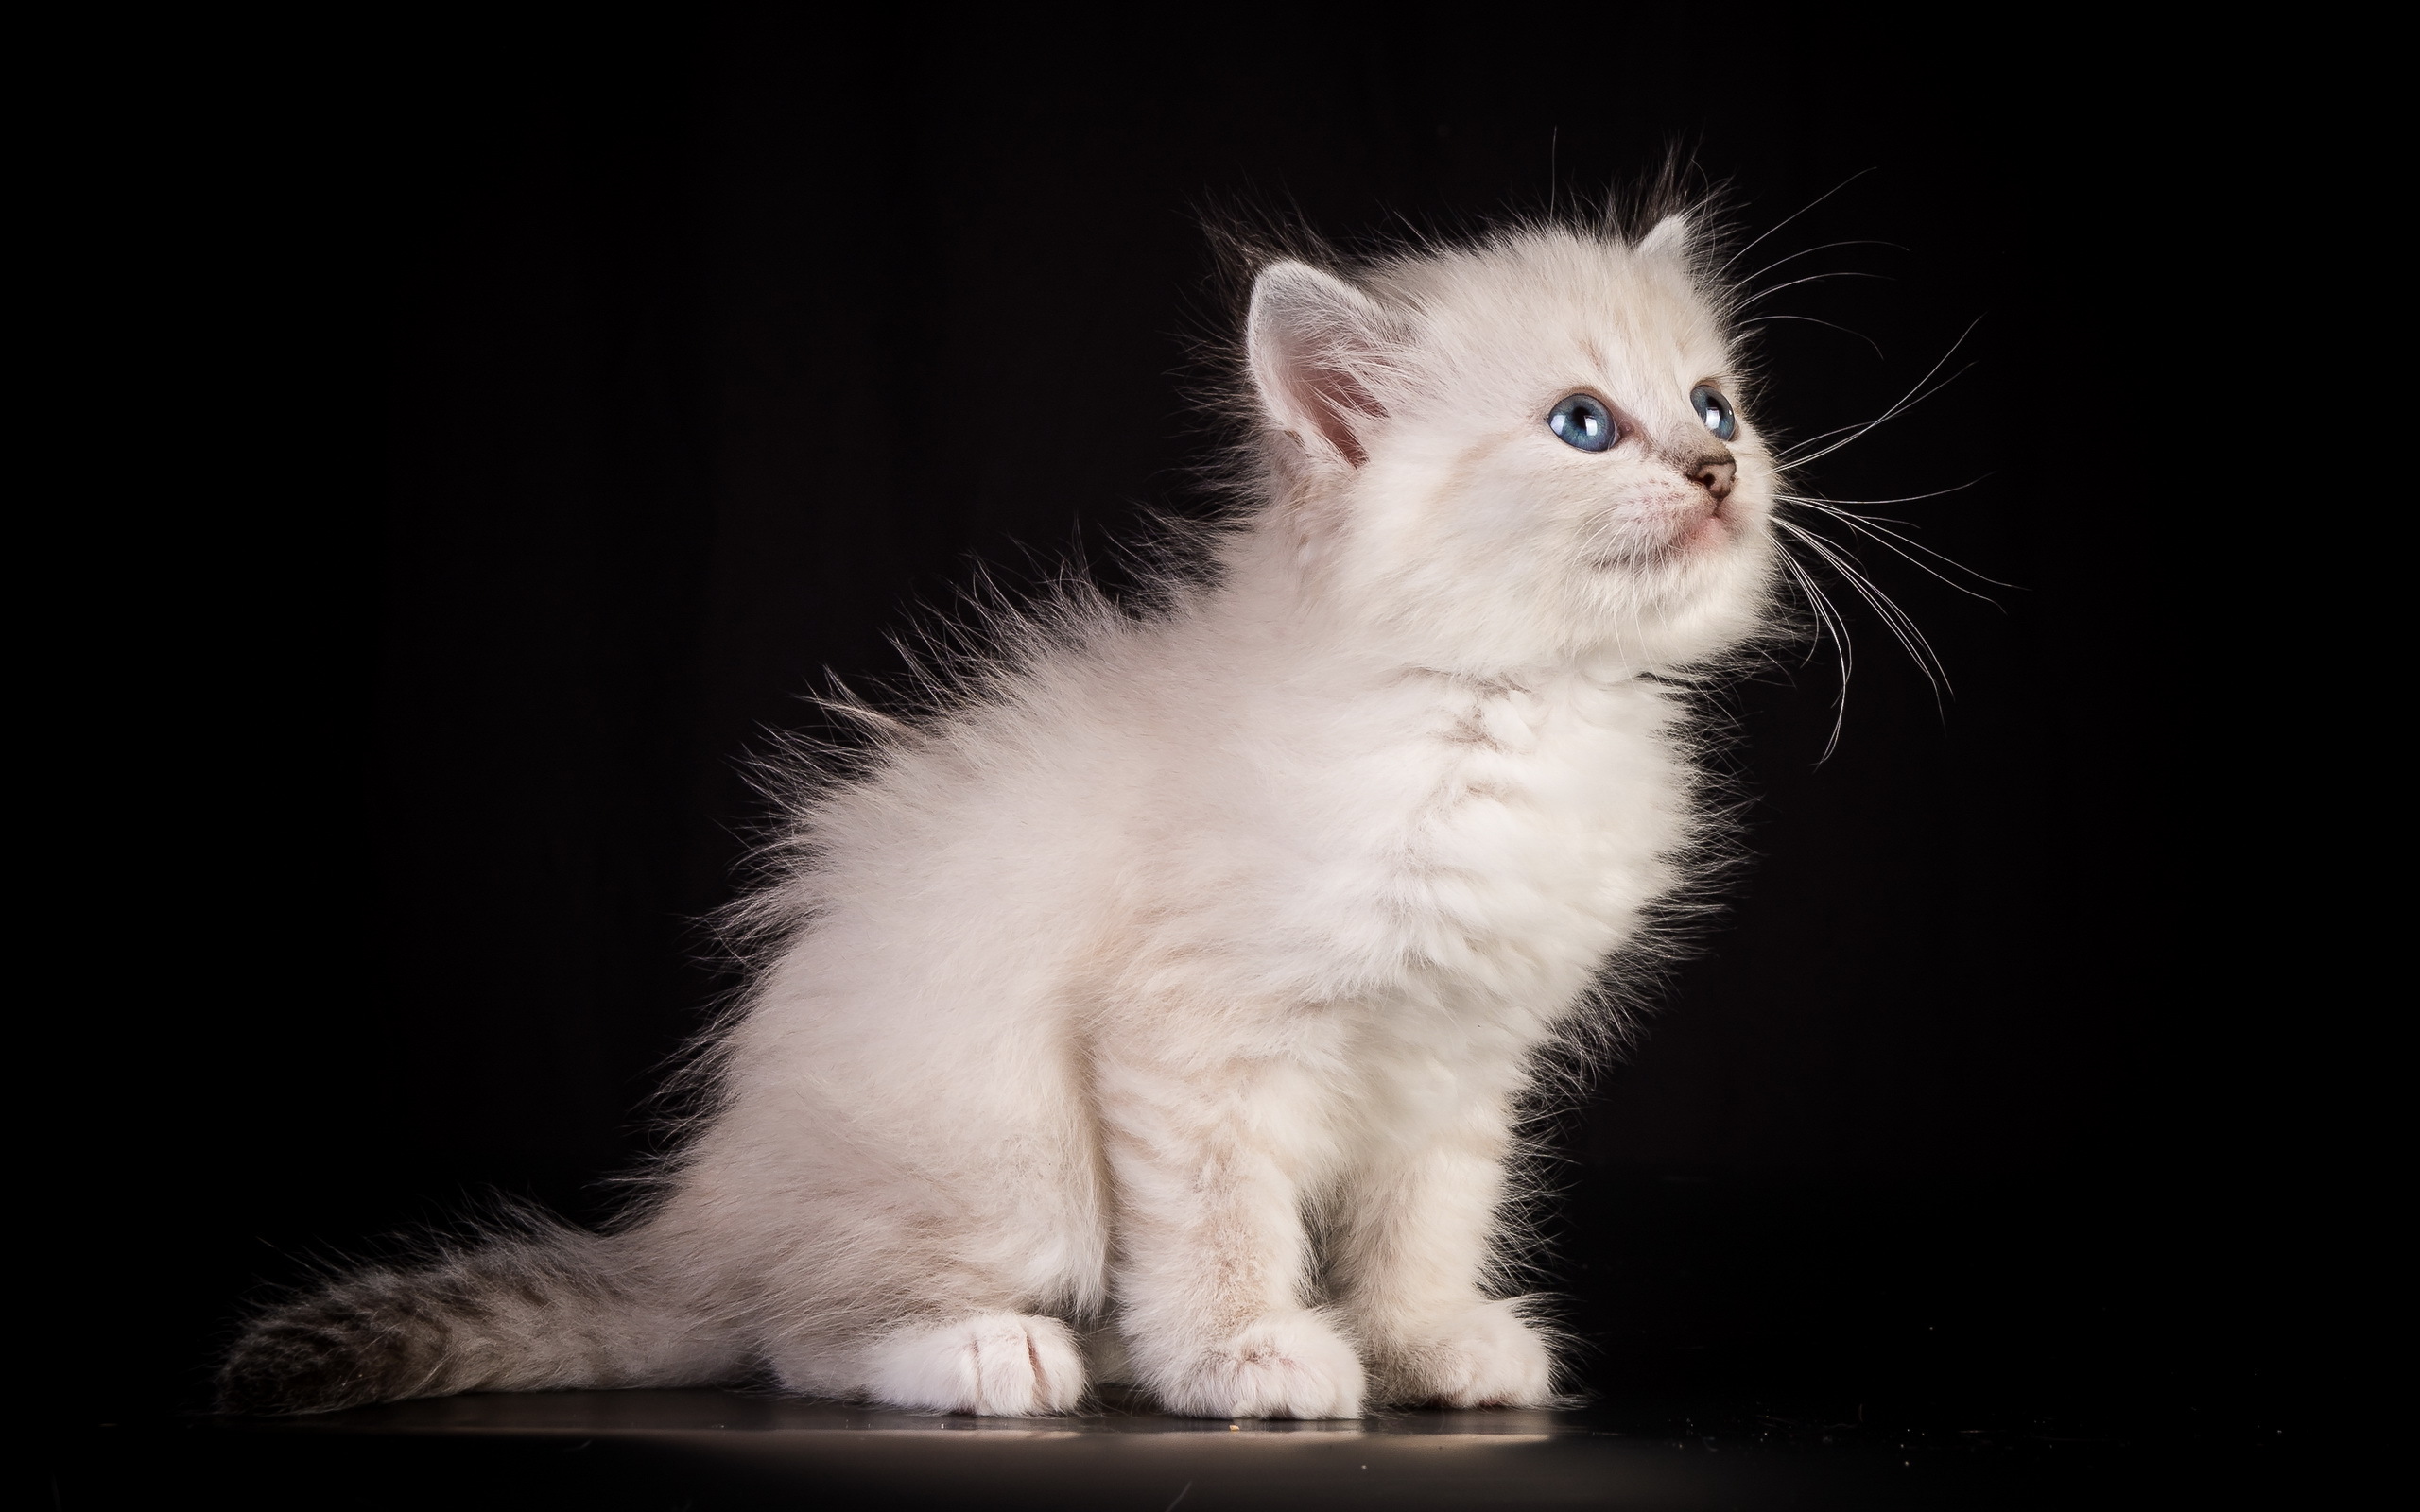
[[1582, 421], [1716, 411]]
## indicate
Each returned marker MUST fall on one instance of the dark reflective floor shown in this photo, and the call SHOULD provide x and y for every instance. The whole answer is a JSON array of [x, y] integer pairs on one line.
[[699, 1450], [1746, 1343]]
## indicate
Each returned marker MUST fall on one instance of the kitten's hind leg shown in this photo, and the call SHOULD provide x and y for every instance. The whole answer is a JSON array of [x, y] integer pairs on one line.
[[999, 1364]]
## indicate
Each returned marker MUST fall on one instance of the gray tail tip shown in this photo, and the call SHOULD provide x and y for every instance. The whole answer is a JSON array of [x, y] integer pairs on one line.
[[285, 1371]]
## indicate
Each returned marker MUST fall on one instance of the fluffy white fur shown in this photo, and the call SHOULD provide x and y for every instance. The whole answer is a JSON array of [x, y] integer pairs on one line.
[[1162, 1006]]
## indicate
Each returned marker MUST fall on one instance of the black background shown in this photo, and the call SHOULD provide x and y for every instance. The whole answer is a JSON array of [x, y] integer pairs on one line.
[[532, 410]]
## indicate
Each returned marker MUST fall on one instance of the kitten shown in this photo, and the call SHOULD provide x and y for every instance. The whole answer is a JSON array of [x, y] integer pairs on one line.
[[1162, 1008]]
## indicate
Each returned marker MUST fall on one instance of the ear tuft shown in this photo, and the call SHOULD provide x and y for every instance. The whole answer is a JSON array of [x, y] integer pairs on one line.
[[1669, 238], [1316, 347]]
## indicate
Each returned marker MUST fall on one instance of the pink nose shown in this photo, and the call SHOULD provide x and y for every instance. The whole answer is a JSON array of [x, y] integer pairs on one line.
[[1714, 474]]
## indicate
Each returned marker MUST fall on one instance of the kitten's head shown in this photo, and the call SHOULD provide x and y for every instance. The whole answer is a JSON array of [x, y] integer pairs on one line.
[[1532, 449]]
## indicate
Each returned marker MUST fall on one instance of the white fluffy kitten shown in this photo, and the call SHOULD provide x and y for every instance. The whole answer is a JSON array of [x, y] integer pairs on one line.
[[1162, 1010]]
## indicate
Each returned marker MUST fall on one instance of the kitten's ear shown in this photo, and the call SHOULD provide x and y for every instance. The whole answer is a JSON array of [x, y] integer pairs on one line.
[[1316, 347], [1668, 237]]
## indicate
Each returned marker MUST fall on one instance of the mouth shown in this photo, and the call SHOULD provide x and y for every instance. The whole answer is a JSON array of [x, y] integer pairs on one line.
[[1674, 529], [1712, 528], [1694, 524]]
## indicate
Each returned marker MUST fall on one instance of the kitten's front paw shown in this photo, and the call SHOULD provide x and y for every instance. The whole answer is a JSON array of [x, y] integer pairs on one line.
[[1002, 1365], [1487, 1357], [1292, 1365]]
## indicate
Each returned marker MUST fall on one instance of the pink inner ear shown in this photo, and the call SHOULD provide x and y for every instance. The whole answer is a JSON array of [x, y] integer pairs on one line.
[[1329, 396], [1313, 338]]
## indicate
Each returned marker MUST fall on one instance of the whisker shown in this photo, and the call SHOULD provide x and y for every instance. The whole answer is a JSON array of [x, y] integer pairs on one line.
[[1912, 397], [1858, 432], [1892, 541], [1792, 216], [1827, 622], [1812, 320], [1919, 651], [1909, 498], [1912, 638], [1811, 252], [1879, 526], [1811, 440], [1894, 619], [1811, 278]]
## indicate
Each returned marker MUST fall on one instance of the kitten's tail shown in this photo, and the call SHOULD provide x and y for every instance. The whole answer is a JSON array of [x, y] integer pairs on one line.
[[549, 1308]]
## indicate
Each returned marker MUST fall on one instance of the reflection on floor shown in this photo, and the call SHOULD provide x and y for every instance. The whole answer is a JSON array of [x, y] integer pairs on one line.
[[1747, 1342], [702, 1449]]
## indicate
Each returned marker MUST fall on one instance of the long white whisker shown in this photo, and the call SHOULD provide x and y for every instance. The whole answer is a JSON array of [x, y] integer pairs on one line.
[[1909, 637], [1909, 498], [1811, 252], [1812, 320], [1827, 622], [1896, 544], [1817, 436], [1837, 558], [1792, 216], [1858, 433], [1811, 278], [1880, 531], [1902, 628], [1912, 397]]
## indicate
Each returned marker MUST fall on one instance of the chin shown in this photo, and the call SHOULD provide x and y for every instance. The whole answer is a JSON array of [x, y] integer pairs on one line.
[[1693, 602]]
